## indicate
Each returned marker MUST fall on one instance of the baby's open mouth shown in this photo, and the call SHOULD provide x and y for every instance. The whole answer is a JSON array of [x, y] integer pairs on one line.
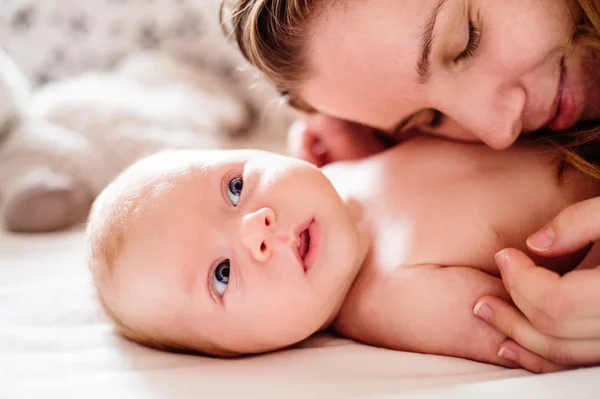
[[301, 246], [304, 244]]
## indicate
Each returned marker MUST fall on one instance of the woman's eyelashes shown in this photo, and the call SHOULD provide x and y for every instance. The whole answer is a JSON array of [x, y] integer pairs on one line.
[[472, 43], [221, 277], [234, 190]]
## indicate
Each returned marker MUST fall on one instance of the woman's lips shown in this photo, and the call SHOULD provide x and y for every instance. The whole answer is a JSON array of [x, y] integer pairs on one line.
[[566, 108]]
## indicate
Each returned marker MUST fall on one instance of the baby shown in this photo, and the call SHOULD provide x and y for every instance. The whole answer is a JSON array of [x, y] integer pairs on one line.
[[241, 252]]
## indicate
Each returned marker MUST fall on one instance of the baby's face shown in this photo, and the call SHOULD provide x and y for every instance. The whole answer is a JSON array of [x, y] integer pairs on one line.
[[249, 252]]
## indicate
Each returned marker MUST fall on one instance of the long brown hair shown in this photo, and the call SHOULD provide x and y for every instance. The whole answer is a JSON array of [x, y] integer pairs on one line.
[[271, 34]]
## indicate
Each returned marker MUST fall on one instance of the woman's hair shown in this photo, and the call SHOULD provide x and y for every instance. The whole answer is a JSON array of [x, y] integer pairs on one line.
[[272, 36]]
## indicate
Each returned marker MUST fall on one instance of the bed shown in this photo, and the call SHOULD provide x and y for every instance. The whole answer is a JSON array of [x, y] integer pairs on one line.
[[55, 343]]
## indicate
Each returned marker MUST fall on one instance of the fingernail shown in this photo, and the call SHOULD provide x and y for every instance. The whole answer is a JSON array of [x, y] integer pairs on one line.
[[508, 355], [502, 260], [542, 240], [484, 311]]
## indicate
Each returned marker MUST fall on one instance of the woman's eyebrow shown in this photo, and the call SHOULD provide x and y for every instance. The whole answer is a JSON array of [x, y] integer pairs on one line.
[[427, 43]]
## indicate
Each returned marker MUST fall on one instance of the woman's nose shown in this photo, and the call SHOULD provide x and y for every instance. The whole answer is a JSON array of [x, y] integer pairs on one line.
[[257, 233], [490, 111]]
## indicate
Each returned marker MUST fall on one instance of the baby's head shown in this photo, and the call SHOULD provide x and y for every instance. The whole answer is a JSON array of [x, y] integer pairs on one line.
[[221, 252]]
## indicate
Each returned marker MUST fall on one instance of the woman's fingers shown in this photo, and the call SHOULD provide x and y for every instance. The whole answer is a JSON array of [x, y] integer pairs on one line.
[[532, 289], [575, 227], [509, 321], [566, 307], [512, 351]]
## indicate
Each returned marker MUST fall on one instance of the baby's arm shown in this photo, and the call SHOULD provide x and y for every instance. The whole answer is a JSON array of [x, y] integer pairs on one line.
[[425, 309]]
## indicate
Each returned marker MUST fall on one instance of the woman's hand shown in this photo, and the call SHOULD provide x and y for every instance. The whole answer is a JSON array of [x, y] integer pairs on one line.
[[321, 139], [558, 318]]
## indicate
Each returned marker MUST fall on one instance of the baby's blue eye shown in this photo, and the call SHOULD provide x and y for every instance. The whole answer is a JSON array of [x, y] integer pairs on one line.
[[234, 190], [221, 278]]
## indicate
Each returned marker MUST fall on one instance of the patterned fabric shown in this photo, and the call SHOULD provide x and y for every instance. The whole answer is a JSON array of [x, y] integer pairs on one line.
[[51, 39]]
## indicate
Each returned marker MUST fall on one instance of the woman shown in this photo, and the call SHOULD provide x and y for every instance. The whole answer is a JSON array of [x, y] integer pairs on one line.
[[466, 70]]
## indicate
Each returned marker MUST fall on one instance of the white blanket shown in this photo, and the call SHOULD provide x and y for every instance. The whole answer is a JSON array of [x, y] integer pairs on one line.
[[55, 343]]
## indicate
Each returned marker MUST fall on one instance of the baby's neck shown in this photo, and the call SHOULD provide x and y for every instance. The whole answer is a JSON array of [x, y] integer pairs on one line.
[[355, 210], [358, 218], [340, 174]]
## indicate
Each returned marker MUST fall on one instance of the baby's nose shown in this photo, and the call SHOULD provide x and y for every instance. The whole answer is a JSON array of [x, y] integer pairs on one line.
[[256, 231]]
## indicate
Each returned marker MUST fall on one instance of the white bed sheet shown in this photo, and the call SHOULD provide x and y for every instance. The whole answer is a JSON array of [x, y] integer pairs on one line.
[[54, 343]]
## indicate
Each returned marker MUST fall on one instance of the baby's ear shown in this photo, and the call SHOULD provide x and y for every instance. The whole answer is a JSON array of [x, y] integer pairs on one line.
[[333, 139], [306, 143]]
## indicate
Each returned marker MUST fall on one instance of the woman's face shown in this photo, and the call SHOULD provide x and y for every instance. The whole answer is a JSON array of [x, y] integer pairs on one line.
[[476, 70]]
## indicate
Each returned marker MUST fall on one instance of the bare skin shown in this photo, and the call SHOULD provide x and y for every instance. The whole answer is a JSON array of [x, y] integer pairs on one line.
[[401, 248], [438, 212]]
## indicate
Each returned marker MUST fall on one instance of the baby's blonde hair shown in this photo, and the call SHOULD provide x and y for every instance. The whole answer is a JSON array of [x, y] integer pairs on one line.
[[112, 219]]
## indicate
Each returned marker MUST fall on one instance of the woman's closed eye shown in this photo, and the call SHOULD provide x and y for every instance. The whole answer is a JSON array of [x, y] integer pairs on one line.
[[220, 277], [234, 190], [472, 43]]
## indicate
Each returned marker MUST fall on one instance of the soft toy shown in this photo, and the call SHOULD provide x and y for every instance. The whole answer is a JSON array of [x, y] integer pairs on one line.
[[62, 144]]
